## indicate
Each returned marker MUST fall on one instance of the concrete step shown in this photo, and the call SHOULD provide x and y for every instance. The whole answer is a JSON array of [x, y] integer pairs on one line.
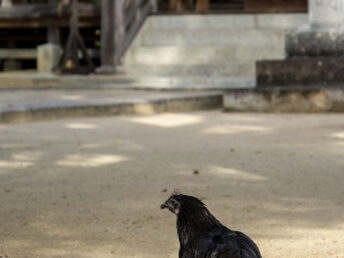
[[56, 103], [229, 69], [172, 55], [212, 37], [194, 82], [122, 81], [234, 21], [302, 71], [311, 100]]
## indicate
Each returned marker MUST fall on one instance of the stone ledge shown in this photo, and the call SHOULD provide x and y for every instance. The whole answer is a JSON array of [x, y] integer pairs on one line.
[[182, 103], [307, 41], [313, 100], [303, 71]]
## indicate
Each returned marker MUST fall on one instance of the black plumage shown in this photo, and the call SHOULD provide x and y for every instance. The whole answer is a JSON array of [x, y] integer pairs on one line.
[[201, 235]]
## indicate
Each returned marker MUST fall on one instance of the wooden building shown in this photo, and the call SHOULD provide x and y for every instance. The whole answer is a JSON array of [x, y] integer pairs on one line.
[[25, 24]]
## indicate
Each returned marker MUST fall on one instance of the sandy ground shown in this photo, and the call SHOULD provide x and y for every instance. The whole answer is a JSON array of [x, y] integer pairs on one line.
[[93, 187]]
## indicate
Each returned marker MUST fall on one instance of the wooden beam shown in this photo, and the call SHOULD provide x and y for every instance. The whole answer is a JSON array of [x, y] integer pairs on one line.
[[130, 11], [130, 35], [53, 32], [27, 53], [46, 22], [275, 5], [112, 35], [70, 59], [23, 38], [47, 10], [31, 53], [202, 6]]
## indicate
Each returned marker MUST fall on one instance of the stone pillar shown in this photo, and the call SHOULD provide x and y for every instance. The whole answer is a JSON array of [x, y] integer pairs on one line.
[[324, 35], [326, 12], [315, 52], [48, 57]]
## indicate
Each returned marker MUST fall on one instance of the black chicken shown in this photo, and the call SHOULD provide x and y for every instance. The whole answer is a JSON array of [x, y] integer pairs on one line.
[[201, 235]]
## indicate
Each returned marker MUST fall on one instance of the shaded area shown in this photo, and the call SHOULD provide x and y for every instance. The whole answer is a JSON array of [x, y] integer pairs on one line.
[[92, 187]]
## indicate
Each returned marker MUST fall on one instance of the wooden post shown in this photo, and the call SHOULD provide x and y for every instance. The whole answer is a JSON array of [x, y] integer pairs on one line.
[[112, 35], [6, 3], [53, 33], [180, 5], [202, 6], [154, 4], [71, 49], [70, 59], [172, 5]]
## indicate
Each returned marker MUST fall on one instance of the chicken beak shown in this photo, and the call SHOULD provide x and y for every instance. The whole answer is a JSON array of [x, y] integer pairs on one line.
[[163, 206]]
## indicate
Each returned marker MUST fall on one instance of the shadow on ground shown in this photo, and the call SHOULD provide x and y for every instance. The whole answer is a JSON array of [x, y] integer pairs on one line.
[[92, 187]]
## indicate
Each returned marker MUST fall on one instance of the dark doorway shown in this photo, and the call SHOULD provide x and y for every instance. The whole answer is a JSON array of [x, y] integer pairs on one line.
[[233, 6]]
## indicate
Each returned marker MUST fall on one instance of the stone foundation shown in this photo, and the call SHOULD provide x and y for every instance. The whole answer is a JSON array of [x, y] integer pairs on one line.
[[301, 71], [315, 42], [314, 52], [285, 100]]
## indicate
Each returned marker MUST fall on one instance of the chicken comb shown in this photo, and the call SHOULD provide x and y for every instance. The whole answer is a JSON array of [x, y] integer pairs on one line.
[[176, 191]]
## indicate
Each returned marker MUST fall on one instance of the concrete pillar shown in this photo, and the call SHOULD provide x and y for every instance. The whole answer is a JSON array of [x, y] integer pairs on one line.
[[315, 51], [48, 57], [326, 12], [324, 35]]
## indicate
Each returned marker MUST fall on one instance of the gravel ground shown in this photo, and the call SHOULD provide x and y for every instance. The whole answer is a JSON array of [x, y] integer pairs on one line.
[[92, 187]]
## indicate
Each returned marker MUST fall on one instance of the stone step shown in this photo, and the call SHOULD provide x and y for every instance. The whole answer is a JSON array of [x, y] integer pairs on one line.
[[171, 55], [234, 21], [56, 103], [194, 82], [302, 71], [229, 69], [121, 81], [314, 43], [212, 37], [310, 100]]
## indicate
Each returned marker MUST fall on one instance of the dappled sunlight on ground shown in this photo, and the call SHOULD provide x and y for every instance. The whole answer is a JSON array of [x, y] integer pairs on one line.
[[14, 164], [81, 126], [93, 187], [20, 160], [77, 160], [339, 135], [90, 145], [71, 97], [233, 129], [338, 142], [169, 120]]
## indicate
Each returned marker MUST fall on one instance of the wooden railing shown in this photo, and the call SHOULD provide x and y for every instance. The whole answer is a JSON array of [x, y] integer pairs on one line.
[[121, 20]]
